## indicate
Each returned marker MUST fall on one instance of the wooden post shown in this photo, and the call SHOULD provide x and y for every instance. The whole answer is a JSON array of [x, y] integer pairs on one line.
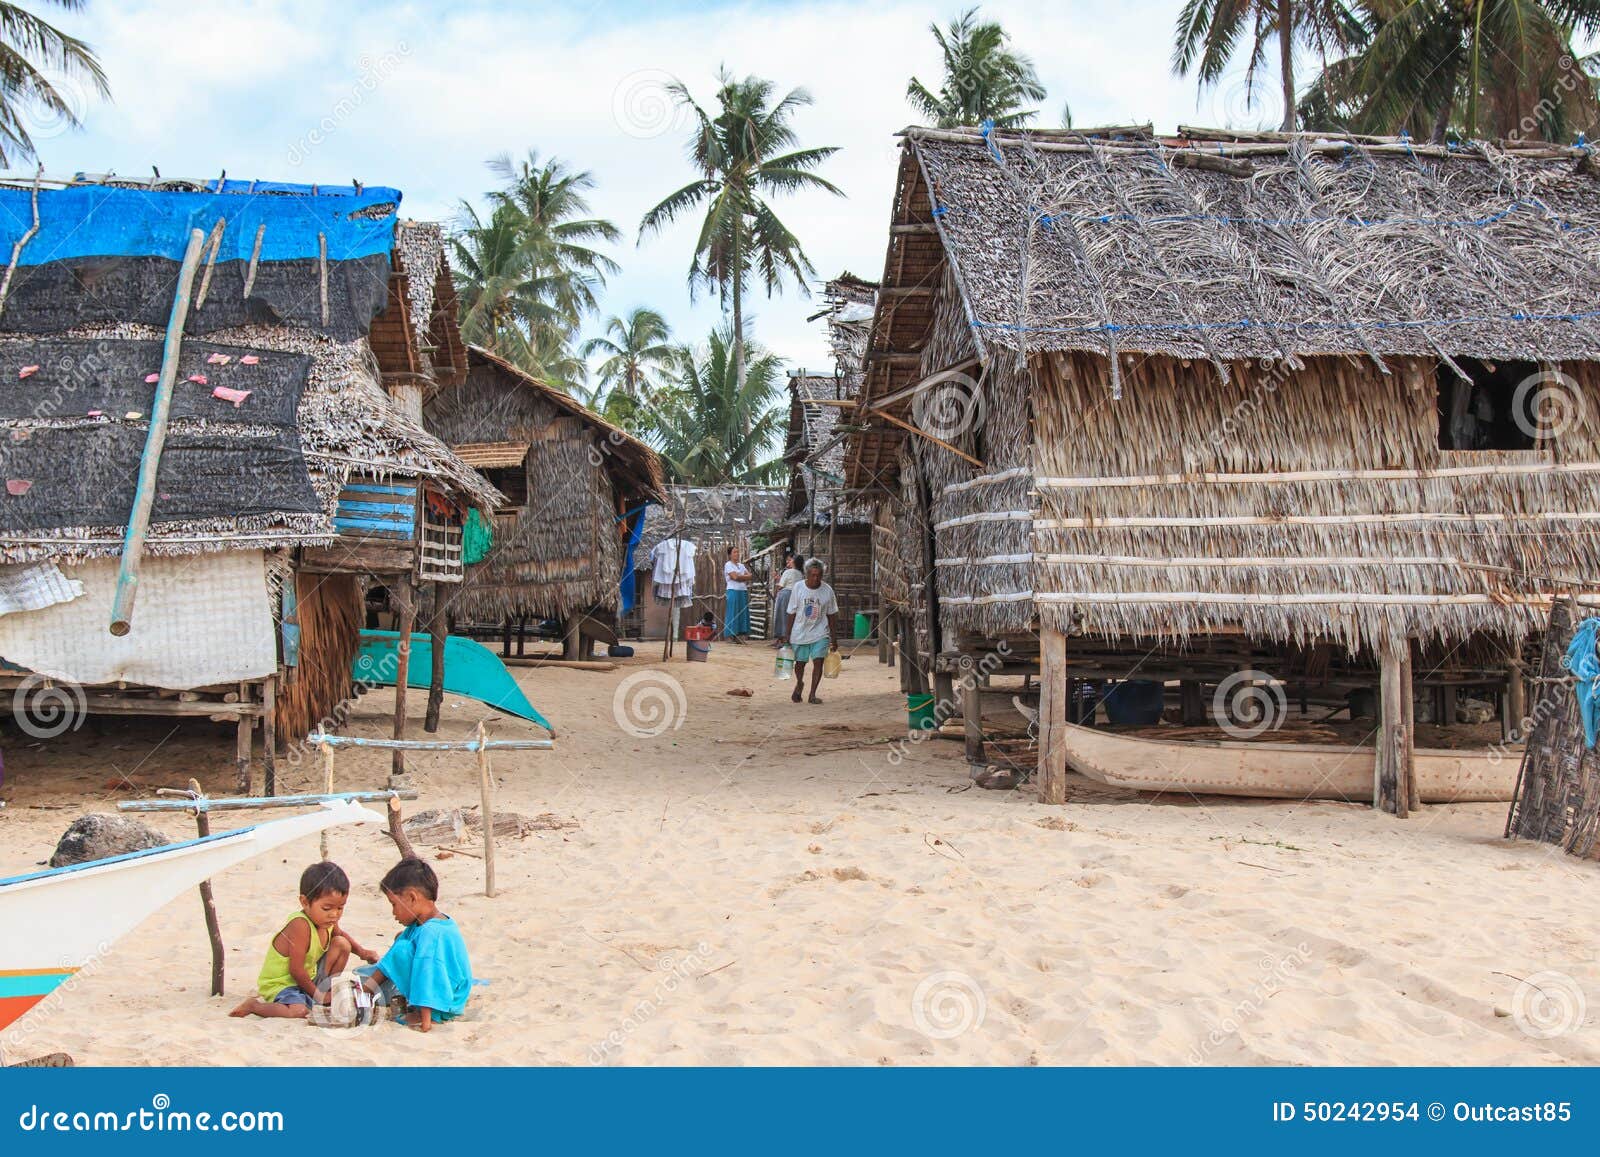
[[241, 753], [1515, 702], [397, 830], [1408, 760], [1391, 791], [485, 787], [505, 640], [269, 734], [1192, 703], [972, 718], [573, 631], [327, 786], [208, 903], [405, 597], [144, 491], [1445, 716], [522, 634], [438, 633], [1052, 715]]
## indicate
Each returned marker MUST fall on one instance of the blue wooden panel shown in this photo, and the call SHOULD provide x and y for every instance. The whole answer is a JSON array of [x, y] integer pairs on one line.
[[374, 488], [373, 525], [396, 508]]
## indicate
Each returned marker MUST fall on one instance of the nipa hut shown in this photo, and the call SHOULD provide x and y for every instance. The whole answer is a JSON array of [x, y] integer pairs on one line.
[[825, 520], [281, 477], [1315, 406], [713, 518], [575, 490]]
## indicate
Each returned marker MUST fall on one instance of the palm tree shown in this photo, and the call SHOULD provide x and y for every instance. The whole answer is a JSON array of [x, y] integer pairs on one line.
[[710, 427], [1210, 31], [1499, 68], [527, 274], [635, 349], [743, 155], [984, 80], [554, 213], [29, 48]]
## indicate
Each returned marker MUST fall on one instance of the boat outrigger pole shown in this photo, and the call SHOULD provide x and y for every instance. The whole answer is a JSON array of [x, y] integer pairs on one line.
[[144, 493]]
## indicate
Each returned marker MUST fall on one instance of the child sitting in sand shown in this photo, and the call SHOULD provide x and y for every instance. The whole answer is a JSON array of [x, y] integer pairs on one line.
[[428, 965], [308, 951]]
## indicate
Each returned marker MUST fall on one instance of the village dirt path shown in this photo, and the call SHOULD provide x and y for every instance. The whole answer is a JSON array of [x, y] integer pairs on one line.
[[731, 893]]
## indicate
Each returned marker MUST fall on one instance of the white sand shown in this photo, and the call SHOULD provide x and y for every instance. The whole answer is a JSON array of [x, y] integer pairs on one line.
[[729, 899]]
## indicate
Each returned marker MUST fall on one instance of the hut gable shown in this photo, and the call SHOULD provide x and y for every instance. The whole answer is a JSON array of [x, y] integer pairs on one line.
[[571, 481]]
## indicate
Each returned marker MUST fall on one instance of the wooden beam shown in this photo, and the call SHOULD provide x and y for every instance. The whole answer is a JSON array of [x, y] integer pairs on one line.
[[940, 442], [269, 735], [934, 379], [1052, 715], [438, 631], [144, 490], [1392, 768], [922, 227]]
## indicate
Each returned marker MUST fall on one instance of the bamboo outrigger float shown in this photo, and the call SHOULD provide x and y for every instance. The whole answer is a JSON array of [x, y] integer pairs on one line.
[[74, 914], [1279, 770]]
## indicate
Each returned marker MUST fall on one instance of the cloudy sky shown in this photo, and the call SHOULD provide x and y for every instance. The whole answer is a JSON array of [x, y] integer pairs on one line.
[[417, 95]]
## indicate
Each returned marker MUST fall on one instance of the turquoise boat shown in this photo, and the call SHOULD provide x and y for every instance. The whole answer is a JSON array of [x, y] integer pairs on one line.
[[470, 669]]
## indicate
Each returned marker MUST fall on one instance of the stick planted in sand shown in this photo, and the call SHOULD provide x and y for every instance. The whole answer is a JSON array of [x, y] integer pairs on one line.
[[484, 788]]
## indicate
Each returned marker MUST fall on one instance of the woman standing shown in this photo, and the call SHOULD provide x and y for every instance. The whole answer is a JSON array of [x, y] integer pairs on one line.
[[736, 618]]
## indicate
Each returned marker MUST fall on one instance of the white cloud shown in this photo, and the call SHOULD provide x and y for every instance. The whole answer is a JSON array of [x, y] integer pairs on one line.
[[243, 88]]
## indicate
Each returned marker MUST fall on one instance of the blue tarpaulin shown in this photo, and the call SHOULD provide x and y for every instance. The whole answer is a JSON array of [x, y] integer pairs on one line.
[[1585, 667], [101, 221]]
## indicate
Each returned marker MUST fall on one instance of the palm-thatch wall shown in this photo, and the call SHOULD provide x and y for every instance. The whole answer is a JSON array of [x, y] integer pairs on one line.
[[576, 482], [1208, 381]]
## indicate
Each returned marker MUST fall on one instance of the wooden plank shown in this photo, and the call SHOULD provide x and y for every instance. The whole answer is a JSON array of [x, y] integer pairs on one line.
[[1390, 789], [1052, 716], [972, 718]]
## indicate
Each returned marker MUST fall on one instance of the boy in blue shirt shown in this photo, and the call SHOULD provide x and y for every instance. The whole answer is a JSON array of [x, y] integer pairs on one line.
[[427, 965]]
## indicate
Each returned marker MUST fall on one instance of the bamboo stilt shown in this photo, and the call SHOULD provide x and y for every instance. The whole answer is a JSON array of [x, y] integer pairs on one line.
[[486, 788], [1052, 716], [208, 903]]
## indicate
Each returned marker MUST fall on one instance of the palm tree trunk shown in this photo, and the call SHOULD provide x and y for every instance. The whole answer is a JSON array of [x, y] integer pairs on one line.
[[738, 311], [1286, 60]]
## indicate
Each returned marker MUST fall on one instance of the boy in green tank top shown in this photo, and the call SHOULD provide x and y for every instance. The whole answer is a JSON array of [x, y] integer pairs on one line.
[[309, 950]]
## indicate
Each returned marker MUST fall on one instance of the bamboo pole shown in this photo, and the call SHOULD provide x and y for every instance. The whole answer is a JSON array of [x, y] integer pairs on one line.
[[269, 735], [208, 903], [327, 785], [257, 803], [242, 741], [144, 491], [485, 787]]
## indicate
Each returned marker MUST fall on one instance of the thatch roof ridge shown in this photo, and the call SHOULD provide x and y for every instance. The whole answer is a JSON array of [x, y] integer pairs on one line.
[[639, 460]]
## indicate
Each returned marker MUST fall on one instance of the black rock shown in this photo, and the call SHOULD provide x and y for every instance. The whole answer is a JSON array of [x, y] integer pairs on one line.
[[98, 837]]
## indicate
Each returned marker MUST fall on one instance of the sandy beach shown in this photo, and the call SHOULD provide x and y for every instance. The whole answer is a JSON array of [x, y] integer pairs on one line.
[[762, 884]]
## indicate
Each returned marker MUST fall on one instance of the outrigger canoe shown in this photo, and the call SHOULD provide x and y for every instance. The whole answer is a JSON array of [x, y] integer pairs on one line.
[[64, 919], [470, 669], [1280, 770]]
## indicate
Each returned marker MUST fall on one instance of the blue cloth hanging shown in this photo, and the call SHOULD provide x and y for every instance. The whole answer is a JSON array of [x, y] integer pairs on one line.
[[635, 533], [1585, 667]]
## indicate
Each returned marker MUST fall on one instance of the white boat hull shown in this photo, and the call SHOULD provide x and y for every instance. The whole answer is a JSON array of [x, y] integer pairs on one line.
[[66, 917], [1280, 770]]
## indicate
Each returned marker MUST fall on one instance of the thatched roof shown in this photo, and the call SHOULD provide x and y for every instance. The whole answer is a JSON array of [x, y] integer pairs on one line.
[[577, 478], [1223, 247], [713, 516], [95, 279], [632, 463]]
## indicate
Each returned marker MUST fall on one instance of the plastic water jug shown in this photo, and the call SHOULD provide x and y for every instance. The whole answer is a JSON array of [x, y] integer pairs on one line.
[[783, 668]]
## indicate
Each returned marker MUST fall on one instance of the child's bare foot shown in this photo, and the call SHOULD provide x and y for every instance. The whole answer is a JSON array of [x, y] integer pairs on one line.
[[796, 695], [246, 1007], [813, 699]]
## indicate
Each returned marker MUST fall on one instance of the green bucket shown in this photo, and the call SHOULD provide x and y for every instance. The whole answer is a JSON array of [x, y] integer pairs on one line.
[[919, 713], [863, 625]]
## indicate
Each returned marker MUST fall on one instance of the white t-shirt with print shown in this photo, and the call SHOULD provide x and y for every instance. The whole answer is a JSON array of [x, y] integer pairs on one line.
[[811, 608], [731, 568]]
